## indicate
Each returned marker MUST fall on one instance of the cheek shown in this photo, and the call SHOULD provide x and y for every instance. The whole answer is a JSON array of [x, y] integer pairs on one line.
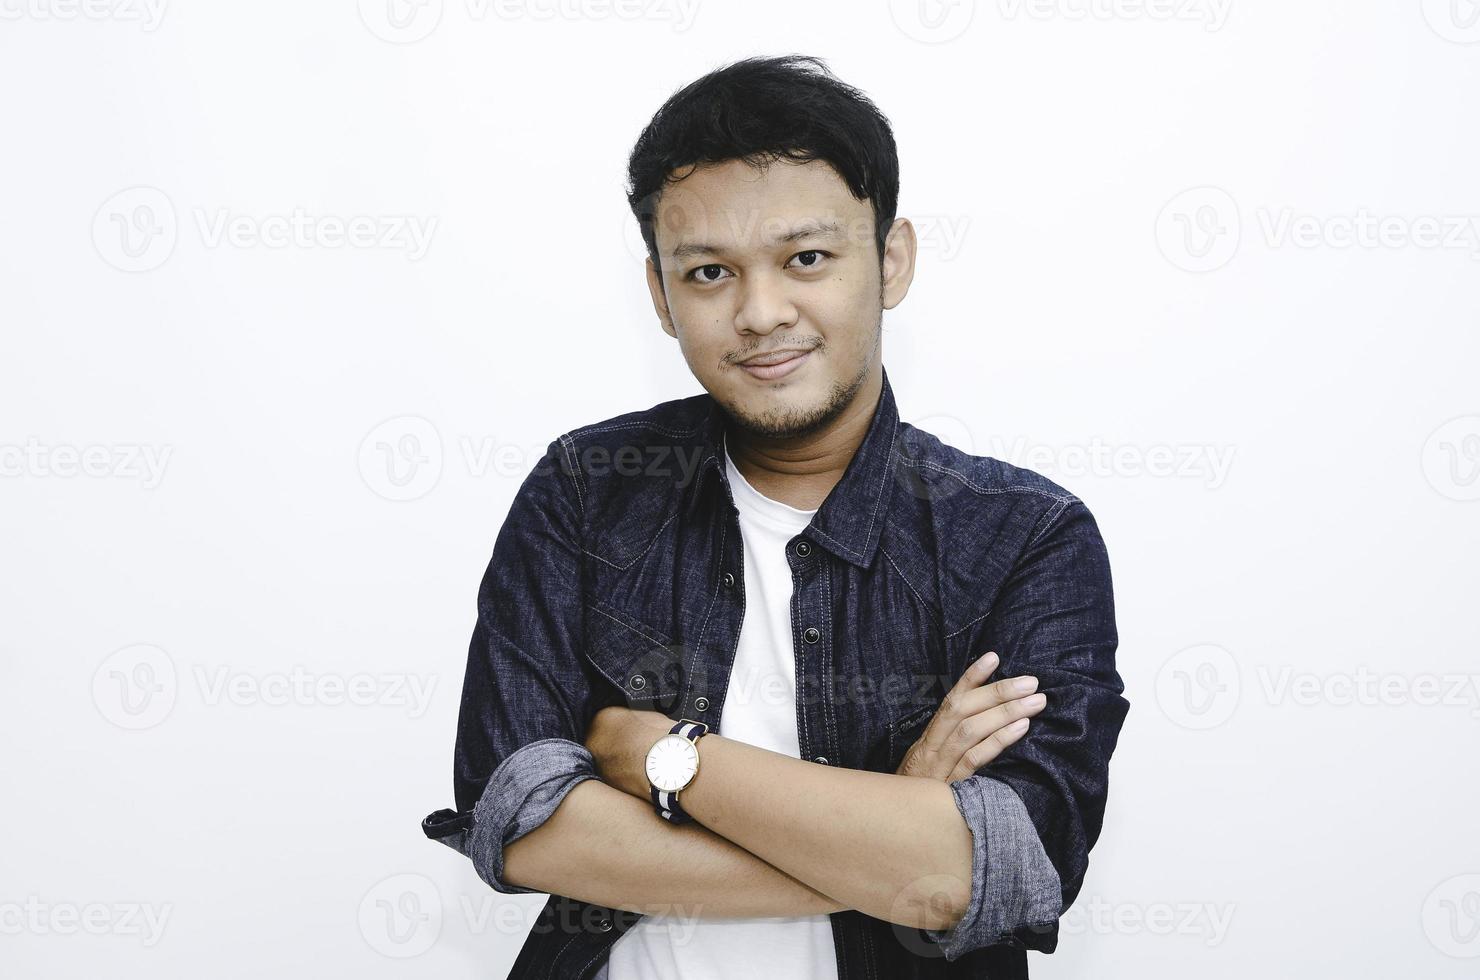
[[851, 290], [700, 319], [847, 322], [703, 342]]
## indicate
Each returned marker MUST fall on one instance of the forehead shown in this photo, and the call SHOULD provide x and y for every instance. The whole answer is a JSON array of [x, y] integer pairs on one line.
[[732, 206]]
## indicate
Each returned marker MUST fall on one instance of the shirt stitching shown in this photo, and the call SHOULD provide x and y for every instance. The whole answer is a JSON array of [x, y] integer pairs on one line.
[[636, 557], [1014, 488]]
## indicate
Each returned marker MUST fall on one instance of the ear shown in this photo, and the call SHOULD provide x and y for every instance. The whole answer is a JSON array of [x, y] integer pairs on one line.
[[899, 263], [660, 298]]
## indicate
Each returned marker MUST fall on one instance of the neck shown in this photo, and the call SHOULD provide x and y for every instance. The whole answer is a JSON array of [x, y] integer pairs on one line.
[[801, 471]]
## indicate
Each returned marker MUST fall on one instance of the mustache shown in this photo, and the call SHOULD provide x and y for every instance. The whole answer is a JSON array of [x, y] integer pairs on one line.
[[806, 344]]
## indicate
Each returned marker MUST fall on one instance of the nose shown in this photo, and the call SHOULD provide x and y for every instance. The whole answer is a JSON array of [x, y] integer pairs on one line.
[[764, 305]]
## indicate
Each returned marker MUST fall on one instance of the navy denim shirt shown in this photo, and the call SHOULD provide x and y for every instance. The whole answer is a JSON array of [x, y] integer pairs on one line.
[[617, 577]]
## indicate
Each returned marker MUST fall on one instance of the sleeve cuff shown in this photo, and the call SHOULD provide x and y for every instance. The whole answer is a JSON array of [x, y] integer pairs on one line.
[[1014, 886], [522, 793]]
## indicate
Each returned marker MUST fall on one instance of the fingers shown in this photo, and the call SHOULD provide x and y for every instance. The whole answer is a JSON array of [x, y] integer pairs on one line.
[[988, 749], [1003, 691], [984, 736], [981, 722], [976, 722], [968, 697], [950, 712], [974, 676], [958, 702]]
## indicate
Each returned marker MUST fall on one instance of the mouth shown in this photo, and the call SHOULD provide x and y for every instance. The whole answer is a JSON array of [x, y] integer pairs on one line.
[[769, 367]]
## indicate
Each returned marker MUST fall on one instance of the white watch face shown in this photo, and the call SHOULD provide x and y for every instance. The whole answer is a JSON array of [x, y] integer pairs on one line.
[[672, 762]]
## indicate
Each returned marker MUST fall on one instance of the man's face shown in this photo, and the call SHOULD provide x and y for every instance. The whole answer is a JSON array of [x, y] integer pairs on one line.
[[761, 261]]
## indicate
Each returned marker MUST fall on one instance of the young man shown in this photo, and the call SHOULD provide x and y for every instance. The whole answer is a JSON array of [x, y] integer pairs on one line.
[[726, 698]]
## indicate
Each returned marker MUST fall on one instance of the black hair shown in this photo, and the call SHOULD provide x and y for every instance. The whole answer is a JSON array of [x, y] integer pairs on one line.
[[761, 109]]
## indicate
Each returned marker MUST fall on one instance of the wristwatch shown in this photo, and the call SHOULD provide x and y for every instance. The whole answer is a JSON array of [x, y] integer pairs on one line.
[[672, 763]]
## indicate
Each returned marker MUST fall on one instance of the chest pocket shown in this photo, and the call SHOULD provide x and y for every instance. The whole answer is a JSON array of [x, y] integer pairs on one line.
[[644, 666]]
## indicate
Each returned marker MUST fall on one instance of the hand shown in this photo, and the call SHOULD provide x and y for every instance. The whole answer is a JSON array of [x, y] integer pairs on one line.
[[974, 724]]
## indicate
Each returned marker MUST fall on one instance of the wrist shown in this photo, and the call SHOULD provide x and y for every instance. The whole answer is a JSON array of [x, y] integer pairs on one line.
[[640, 729]]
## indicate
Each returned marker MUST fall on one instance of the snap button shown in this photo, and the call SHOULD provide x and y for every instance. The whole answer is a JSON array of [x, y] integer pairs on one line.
[[729, 580], [803, 549], [638, 682], [821, 760], [701, 703], [605, 925], [811, 634]]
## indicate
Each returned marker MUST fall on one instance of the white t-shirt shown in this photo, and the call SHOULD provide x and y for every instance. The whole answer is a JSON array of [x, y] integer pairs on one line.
[[759, 708]]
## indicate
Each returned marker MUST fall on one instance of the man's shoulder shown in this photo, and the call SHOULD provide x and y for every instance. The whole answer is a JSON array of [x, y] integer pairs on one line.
[[676, 419], [964, 521], [632, 466], [959, 480]]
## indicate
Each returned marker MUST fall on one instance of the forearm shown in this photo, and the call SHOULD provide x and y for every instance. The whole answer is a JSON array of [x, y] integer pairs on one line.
[[604, 846], [892, 846]]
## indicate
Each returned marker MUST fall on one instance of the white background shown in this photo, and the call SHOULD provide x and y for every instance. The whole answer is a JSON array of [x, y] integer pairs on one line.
[[1212, 267]]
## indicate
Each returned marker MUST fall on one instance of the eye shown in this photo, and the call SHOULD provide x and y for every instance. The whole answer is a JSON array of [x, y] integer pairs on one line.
[[709, 274], [816, 258], [694, 274]]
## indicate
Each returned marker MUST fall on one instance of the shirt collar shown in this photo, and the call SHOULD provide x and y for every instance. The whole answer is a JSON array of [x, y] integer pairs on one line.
[[851, 519]]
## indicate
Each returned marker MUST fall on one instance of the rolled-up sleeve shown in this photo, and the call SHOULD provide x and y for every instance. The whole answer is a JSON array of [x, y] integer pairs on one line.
[[1014, 886], [528, 692], [522, 793], [1053, 619]]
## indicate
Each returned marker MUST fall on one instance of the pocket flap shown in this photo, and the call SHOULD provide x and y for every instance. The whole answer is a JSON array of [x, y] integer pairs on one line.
[[645, 665]]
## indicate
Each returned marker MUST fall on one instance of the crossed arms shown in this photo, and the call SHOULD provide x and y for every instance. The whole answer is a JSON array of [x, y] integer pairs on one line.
[[773, 836], [558, 801]]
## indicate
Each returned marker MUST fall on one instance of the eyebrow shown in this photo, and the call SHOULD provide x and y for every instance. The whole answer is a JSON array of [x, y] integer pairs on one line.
[[826, 229]]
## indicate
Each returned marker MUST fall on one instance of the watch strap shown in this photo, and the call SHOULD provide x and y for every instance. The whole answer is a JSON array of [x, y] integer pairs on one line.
[[665, 801]]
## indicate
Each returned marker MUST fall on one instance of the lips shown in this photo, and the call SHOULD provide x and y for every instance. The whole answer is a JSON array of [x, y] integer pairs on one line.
[[777, 364], [775, 357]]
